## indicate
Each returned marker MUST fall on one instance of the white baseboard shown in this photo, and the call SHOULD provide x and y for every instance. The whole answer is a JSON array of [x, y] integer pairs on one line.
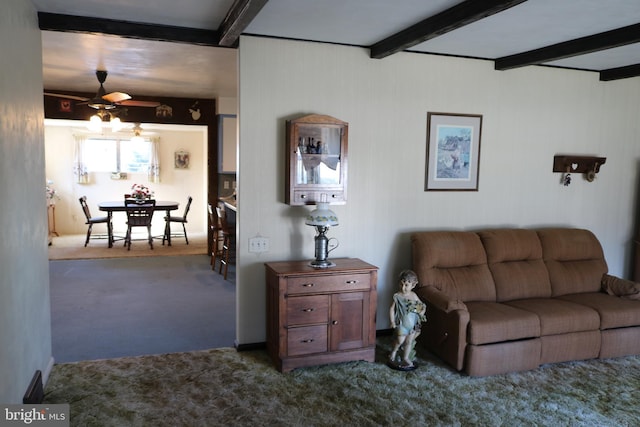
[[47, 371]]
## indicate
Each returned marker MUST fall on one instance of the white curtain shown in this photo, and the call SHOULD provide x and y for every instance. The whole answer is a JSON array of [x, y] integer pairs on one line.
[[154, 160], [79, 166]]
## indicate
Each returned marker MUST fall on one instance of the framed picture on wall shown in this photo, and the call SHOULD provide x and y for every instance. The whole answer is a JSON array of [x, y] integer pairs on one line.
[[453, 152], [181, 159]]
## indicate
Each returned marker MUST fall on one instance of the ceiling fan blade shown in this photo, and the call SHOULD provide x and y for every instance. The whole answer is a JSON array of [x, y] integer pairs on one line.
[[134, 103], [116, 97], [61, 95]]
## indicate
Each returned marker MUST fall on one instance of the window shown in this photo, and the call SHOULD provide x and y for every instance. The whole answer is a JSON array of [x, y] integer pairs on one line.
[[114, 155]]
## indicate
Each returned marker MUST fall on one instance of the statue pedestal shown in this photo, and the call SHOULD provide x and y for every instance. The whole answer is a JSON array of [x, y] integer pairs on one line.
[[398, 366]]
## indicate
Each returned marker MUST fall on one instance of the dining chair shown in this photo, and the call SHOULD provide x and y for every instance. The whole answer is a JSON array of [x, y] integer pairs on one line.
[[228, 241], [94, 220], [179, 219], [216, 231], [139, 215]]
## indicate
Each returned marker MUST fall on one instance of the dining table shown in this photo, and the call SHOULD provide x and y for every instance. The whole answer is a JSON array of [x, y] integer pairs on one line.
[[118, 206]]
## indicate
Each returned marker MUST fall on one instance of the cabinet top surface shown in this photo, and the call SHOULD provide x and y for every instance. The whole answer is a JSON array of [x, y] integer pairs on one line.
[[318, 119], [302, 267]]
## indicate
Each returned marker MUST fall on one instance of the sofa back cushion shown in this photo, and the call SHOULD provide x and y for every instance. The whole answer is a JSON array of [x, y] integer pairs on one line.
[[455, 263], [574, 258], [515, 261]]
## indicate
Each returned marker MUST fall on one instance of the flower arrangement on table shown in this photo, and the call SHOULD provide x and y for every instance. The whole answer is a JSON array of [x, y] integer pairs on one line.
[[139, 191]]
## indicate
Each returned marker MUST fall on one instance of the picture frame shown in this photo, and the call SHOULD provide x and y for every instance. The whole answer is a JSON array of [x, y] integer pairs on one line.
[[181, 159], [453, 152]]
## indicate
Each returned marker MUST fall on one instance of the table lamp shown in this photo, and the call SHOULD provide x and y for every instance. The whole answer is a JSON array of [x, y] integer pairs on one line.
[[322, 218]]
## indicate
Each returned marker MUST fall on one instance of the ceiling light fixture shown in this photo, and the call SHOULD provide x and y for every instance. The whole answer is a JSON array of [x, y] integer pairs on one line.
[[116, 124], [137, 131], [95, 123], [101, 116]]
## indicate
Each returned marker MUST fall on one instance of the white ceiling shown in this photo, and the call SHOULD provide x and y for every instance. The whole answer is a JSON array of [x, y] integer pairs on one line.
[[144, 67]]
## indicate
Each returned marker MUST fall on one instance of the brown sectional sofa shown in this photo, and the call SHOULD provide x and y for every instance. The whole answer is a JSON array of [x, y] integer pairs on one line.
[[506, 300]]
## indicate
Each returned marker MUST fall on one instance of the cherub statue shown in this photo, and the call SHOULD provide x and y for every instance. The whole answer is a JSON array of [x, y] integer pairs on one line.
[[407, 313]]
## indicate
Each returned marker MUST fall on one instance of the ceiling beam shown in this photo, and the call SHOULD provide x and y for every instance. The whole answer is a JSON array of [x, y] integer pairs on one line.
[[620, 73], [583, 45], [455, 17], [135, 30], [238, 18]]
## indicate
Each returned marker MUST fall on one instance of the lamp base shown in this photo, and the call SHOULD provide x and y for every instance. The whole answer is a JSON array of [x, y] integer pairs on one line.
[[321, 264]]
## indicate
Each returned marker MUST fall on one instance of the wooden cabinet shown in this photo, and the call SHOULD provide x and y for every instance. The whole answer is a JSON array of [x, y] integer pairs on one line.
[[227, 143], [318, 316], [316, 160], [51, 221]]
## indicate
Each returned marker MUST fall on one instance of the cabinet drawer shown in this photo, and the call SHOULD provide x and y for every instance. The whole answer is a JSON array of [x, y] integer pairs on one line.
[[310, 197], [328, 283], [306, 310], [307, 340]]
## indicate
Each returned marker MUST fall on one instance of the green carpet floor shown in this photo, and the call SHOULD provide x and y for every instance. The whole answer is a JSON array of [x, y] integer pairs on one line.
[[224, 387]]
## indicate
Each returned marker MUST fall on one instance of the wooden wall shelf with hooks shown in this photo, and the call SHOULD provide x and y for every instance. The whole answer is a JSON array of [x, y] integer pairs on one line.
[[577, 164]]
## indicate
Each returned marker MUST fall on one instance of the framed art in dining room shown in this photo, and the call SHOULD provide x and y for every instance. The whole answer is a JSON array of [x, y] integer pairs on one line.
[[181, 159], [453, 152]]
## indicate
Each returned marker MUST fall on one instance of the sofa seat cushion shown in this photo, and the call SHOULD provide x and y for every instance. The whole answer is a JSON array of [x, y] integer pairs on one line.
[[515, 260], [560, 317], [615, 312], [492, 322]]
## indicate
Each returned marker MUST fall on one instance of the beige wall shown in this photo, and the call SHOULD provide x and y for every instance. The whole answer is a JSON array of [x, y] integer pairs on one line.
[[25, 319], [175, 184], [530, 114]]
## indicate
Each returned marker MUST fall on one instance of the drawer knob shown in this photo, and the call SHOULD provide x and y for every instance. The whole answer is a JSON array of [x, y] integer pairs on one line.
[[308, 310], [351, 282], [303, 196], [308, 285], [335, 322], [307, 341]]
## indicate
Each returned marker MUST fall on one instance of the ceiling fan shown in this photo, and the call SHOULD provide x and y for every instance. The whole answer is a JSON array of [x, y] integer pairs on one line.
[[107, 101]]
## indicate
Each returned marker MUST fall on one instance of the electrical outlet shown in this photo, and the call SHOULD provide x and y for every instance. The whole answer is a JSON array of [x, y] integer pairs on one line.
[[258, 244]]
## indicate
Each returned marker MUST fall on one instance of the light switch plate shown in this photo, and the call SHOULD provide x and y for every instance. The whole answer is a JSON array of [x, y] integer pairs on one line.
[[259, 244]]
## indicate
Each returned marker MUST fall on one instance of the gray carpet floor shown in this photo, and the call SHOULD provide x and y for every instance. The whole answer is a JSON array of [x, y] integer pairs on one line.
[[106, 308]]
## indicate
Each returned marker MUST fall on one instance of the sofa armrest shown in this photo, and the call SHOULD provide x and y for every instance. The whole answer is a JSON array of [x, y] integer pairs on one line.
[[623, 288], [445, 331], [440, 300]]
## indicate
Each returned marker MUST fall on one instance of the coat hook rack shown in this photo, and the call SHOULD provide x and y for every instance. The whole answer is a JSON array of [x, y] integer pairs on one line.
[[588, 165]]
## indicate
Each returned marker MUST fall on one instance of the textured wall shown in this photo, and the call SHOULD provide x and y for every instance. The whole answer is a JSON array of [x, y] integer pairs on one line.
[[530, 114], [25, 321]]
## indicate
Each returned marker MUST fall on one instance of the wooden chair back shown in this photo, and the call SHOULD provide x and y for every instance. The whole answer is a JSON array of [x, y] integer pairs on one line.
[[186, 208], [85, 207], [140, 214]]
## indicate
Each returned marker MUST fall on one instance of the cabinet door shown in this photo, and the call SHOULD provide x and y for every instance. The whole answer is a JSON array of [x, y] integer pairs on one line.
[[316, 160], [349, 320], [227, 143]]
